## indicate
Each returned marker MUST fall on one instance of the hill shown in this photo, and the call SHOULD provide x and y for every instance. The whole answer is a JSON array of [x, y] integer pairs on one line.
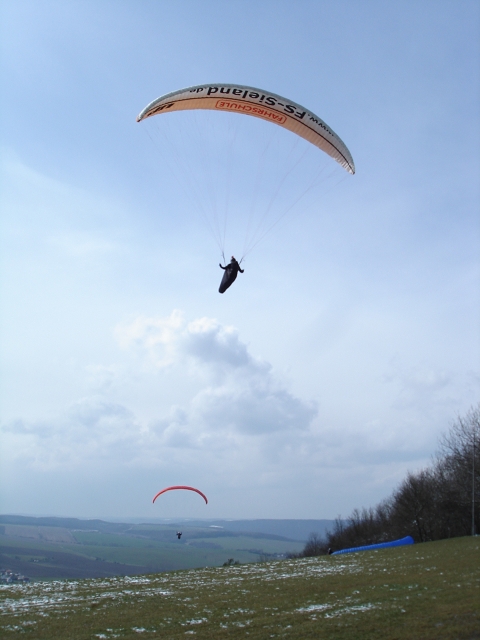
[[43, 548], [429, 591], [298, 530]]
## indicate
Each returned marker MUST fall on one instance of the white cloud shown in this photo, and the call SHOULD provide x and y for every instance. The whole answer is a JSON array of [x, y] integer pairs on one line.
[[90, 430], [204, 344], [238, 391], [237, 397]]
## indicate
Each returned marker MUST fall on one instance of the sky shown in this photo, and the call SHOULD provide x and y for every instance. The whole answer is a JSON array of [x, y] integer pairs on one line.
[[351, 342]]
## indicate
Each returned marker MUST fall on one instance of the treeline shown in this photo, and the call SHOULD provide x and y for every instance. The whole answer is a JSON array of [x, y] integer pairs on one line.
[[431, 504]]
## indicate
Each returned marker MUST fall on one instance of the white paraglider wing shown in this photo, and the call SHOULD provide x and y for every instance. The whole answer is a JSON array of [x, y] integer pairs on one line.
[[259, 104]]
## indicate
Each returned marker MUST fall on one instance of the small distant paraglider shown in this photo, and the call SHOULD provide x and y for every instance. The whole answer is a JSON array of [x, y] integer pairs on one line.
[[183, 488], [179, 534]]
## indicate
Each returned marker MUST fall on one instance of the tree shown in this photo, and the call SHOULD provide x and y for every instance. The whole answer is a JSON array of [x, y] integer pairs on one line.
[[414, 506], [460, 452], [434, 503], [315, 546]]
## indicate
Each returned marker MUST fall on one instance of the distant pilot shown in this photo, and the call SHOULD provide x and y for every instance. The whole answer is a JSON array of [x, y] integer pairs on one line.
[[179, 534], [230, 275]]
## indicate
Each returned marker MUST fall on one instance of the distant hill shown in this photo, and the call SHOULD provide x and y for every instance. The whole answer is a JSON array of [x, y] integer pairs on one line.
[[65, 523], [52, 547], [298, 530]]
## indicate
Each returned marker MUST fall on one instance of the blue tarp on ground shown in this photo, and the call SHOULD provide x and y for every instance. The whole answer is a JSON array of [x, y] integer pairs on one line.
[[380, 545]]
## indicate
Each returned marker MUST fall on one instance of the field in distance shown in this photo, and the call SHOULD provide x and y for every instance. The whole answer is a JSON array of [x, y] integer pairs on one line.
[[70, 548], [429, 591]]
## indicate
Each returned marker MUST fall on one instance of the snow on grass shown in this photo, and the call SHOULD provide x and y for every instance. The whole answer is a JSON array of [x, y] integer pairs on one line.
[[62, 595], [255, 599]]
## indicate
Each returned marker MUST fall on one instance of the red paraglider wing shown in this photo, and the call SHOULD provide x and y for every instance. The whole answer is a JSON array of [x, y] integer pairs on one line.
[[181, 487]]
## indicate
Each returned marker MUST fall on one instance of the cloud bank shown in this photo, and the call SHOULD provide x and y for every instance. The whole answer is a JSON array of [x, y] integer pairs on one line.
[[231, 395]]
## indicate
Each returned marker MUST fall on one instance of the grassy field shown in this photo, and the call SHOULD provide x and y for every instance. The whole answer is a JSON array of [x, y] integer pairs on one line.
[[427, 591]]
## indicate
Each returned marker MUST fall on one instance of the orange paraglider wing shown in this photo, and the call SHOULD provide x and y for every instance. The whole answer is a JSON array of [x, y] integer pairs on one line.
[[181, 487]]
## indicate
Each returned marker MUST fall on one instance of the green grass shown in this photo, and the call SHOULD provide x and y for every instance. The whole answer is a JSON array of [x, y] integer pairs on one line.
[[429, 592], [259, 544], [167, 555]]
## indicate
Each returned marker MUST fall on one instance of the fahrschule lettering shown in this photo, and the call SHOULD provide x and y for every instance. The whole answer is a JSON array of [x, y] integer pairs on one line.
[[233, 105], [271, 101]]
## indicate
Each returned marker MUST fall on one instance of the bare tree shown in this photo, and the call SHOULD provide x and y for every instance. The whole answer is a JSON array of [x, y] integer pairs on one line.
[[315, 546], [437, 502], [414, 506], [460, 452]]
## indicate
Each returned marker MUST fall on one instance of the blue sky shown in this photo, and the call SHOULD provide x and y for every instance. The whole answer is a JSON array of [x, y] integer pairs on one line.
[[348, 346]]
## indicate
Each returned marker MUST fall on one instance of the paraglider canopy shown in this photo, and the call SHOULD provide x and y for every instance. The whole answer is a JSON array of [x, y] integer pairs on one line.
[[243, 175], [181, 487], [259, 104]]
